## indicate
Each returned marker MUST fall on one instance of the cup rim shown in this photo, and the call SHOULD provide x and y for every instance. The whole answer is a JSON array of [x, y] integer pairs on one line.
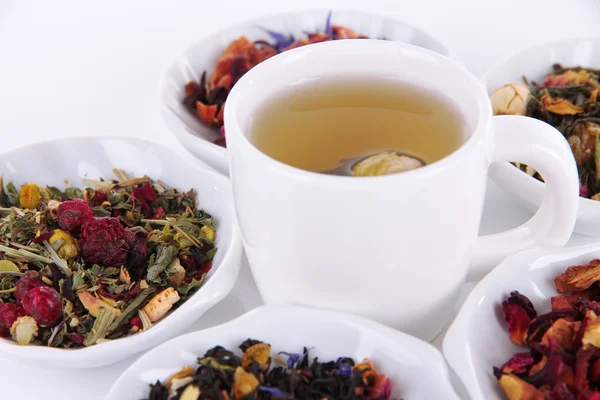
[[236, 99]]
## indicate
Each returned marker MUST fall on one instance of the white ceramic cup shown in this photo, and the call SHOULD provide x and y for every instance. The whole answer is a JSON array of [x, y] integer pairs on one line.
[[393, 248]]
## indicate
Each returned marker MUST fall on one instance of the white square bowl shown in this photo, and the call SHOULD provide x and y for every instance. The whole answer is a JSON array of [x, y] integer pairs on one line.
[[417, 370], [50, 163], [477, 341]]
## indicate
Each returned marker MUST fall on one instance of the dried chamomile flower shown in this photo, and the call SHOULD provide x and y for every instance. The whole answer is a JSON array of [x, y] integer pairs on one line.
[[24, 330], [64, 244], [30, 196]]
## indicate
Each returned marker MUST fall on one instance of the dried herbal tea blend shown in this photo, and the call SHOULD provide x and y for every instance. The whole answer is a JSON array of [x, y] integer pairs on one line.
[[561, 357], [222, 375], [567, 100], [207, 97], [82, 266]]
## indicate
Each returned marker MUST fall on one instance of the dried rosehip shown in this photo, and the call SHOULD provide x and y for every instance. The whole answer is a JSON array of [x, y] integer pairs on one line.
[[44, 305], [518, 312], [9, 313], [30, 280], [72, 214], [105, 242]]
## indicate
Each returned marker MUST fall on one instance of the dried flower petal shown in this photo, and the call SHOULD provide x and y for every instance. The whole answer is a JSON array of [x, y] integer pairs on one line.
[[578, 278], [24, 330], [516, 389], [518, 364], [244, 383], [518, 312], [563, 333], [510, 99], [559, 106]]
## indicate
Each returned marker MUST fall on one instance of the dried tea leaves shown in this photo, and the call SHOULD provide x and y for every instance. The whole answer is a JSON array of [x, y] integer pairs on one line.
[[223, 375], [207, 98], [79, 267]]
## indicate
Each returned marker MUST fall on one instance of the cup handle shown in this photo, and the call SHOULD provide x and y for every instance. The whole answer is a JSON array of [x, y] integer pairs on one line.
[[535, 143]]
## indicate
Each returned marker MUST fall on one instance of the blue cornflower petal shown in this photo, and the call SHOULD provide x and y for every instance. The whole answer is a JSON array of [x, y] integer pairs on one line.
[[274, 391], [344, 369], [281, 41], [328, 29]]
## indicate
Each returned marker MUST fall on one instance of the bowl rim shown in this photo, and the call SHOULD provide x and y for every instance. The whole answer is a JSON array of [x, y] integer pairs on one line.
[[505, 168], [456, 346], [220, 278], [435, 358], [184, 136]]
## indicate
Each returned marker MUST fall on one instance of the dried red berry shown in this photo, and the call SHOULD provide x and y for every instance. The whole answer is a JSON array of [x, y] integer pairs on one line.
[[99, 198], [105, 242], [44, 305], [136, 321], [72, 214], [30, 280], [518, 312], [145, 195], [138, 248], [9, 313]]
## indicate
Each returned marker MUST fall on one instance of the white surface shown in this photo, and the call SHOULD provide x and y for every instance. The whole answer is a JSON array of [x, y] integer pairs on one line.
[[71, 68], [416, 368], [50, 163], [362, 221], [468, 343], [535, 63], [203, 55]]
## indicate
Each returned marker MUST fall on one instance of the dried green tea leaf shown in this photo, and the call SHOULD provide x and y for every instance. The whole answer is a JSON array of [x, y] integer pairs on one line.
[[187, 287], [164, 256], [13, 194], [103, 322], [73, 193], [211, 253], [100, 212], [133, 307]]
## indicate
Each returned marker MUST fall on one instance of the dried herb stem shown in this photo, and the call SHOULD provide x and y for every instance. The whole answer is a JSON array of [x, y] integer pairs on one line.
[[101, 326], [25, 253], [133, 307], [60, 263], [156, 221], [20, 246], [132, 182], [188, 237]]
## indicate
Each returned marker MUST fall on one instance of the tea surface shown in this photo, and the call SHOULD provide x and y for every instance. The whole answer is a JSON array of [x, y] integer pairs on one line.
[[315, 126]]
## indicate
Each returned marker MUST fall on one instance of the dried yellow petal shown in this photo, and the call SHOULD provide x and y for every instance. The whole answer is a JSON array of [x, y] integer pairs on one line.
[[30, 196], [559, 106], [244, 383], [64, 244], [208, 233], [191, 392], [259, 353]]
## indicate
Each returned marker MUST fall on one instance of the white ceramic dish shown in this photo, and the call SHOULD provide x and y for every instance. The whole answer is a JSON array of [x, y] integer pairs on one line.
[[202, 56], [535, 63], [478, 340], [50, 163], [416, 368]]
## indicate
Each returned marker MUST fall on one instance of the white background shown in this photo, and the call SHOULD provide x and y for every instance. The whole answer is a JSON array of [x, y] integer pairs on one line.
[[71, 68]]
